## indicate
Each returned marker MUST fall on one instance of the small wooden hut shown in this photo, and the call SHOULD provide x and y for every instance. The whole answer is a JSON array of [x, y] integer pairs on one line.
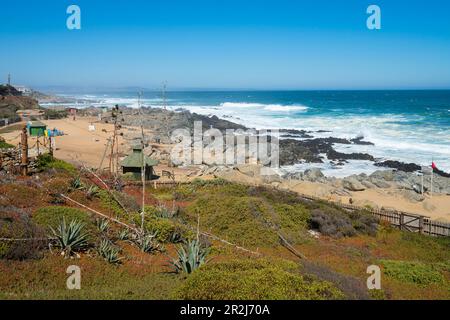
[[36, 128], [133, 164]]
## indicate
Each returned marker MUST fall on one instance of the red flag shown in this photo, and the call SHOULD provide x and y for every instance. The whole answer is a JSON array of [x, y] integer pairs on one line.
[[433, 165]]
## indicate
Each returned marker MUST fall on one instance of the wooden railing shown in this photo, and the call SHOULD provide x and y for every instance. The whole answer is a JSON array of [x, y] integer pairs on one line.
[[403, 220]]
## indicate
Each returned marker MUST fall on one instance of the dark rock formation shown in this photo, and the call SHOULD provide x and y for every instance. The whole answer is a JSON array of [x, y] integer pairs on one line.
[[7, 90], [359, 141], [406, 167]]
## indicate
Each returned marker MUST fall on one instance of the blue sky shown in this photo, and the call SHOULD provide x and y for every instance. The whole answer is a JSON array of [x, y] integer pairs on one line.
[[246, 44]]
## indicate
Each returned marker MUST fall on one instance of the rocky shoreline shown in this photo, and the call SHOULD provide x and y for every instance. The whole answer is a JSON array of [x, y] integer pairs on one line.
[[297, 146]]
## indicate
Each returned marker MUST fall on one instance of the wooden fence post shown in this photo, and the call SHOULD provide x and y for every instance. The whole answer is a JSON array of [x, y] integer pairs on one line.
[[421, 231], [24, 141], [402, 218]]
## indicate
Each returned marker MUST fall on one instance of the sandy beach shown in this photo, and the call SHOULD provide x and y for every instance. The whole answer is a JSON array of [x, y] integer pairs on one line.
[[79, 145]]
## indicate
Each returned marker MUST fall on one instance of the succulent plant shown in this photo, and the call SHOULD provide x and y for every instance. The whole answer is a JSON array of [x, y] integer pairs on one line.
[[124, 234], [102, 225], [109, 252], [70, 238], [176, 237], [92, 192], [147, 242], [191, 256], [76, 184]]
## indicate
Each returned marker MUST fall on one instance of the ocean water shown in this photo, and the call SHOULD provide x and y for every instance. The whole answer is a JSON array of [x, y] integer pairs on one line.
[[409, 126]]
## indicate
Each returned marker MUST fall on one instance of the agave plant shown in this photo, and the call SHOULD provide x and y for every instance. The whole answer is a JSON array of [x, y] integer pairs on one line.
[[76, 184], [109, 252], [70, 238], [92, 192], [176, 237], [124, 234], [147, 242], [191, 256], [163, 212], [102, 225]]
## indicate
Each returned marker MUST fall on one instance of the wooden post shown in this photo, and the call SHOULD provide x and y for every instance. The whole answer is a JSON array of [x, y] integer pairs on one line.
[[402, 221], [37, 145], [24, 142], [50, 145], [421, 231]]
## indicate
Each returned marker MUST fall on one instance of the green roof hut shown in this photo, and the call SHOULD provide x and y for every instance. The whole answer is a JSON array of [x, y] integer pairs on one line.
[[133, 164], [36, 128]]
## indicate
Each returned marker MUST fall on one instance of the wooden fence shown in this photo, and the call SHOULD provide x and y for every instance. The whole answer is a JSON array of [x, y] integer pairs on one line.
[[403, 220]]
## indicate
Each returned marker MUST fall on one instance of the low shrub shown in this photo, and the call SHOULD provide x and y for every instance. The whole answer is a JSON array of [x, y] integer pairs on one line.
[[50, 217], [353, 288], [166, 230], [5, 145], [335, 223], [412, 272], [237, 219], [254, 279], [46, 161], [19, 195], [109, 203], [19, 226]]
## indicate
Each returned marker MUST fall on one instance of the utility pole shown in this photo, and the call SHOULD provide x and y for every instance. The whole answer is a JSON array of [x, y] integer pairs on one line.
[[143, 165], [114, 114], [24, 163], [166, 120]]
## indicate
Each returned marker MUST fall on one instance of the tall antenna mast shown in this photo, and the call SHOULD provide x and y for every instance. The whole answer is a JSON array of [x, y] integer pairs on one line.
[[9, 79]]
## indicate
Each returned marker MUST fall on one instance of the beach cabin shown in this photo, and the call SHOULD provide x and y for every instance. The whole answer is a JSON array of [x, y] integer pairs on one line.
[[133, 164], [36, 128]]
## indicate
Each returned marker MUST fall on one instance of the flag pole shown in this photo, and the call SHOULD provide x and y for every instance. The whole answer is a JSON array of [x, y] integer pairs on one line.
[[421, 189], [432, 172]]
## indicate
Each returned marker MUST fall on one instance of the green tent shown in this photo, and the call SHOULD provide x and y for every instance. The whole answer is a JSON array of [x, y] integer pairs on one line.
[[133, 163], [36, 128]]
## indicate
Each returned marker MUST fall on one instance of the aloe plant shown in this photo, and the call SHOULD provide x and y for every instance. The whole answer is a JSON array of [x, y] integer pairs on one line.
[[102, 225], [191, 256], [109, 252], [70, 238]]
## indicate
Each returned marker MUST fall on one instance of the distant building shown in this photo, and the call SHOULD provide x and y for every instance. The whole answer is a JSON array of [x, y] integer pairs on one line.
[[133, 164], [36, 128], [24, 90]]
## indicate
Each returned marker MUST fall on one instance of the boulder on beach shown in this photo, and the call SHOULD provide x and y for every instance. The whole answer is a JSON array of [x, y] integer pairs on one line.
[[352, 184], [386, 175], [412, 196], [313, 175]]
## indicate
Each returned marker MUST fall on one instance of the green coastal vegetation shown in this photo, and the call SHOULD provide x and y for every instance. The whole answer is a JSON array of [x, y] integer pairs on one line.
[[210, 239]]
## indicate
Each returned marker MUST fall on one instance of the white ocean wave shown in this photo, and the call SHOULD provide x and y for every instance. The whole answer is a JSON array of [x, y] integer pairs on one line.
[[268, 107], [394, 137]]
